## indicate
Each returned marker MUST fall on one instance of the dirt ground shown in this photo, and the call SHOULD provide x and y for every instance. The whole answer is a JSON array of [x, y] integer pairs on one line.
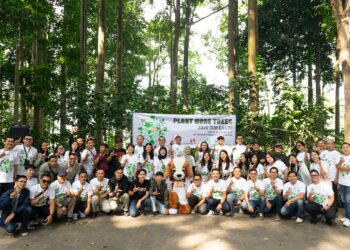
[[183, 232]]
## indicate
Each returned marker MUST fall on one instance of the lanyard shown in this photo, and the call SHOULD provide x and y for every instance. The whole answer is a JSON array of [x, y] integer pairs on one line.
[[26, 151]]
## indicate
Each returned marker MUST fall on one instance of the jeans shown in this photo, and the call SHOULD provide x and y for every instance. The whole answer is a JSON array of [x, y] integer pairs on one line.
[[315, 209], [345, 196], [232, 199], [80, 205], [134, 211], [255, 203], [23, 216], [295, 208], [42, 211], [276, 205], [194, 200], [213, 203], [157, 205]]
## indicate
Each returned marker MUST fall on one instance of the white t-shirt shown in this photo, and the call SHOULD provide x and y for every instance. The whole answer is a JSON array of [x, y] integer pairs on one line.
[[160, 165], [204, 171], [29, 153], [48, 194], [252, 193], [238, 186], [280, 166], [138, 150], [31, 182], [295, 190], [200, 191], [190, 160], [260, 170], [156, 151], [325, 165], [77, 186], [7, 164], [344, 176], [60, 159], [88, 164], [270, 192], [178, 150], [219, 188], [129, 167], [236, 154], [61, 190], [226, 172], [331, 157], [301, 157], [149, 167], [321, 192], [218, 149], [95, 184]]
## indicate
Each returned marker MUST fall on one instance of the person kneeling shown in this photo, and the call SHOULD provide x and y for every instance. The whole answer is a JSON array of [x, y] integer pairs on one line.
[[65, 199], [159, 195], [293, 194], [255, 200], [196, 195], [15, 207], [217, 202], [139, 193], [83, 193], [237, 189], [118, 192], [99, 186]]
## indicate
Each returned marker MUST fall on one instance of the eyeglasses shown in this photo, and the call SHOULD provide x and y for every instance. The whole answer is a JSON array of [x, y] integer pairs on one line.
[[46, 181], [72, 158], [314, 175], [197, 179], [273, 172]]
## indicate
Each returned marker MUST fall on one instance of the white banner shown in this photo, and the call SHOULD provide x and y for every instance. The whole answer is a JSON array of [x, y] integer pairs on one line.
[[192, 128]]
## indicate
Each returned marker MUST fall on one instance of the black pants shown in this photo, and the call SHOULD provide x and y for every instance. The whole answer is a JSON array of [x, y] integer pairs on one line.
[[80, 205], [42, 211], [315, 209], [5, 186], [336, 197]]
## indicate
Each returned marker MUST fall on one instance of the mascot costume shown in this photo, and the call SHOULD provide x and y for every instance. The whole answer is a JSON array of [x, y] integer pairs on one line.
[[177, 172]]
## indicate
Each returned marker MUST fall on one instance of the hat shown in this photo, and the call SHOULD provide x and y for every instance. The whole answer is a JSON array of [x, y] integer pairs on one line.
[[278, 145], [62, 173], [220, 137]]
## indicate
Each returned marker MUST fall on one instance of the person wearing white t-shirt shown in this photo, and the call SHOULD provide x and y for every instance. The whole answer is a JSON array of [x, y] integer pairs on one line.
[[255, 164], [42, 199], [161, 143], [9, 162], [320, 165], [196, 195], [128, 162], [64, 198], [31, 180], [219, 147], [320, 198], [27, 154], [87, 157], [225, 165], [273, 162], [302, 154], [200, 150], [294, 194], [139, 148], [238, 149], [273, 189], [99, 186], [217, 194], [83, 193], [255, 198], [300, 168], [343, 166], [236, 189], [147, 161], [204, 167], [162, 160], [176, 149]]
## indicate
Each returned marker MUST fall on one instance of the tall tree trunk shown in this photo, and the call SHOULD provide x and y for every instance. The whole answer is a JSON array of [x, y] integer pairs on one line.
[[119, 41], [174, 61], [337, 106], [318, 74], [99, 87], [342, 17], [18, 78], [232, 55], [252, 51], [309, 84], [186, 56], [63, 102]]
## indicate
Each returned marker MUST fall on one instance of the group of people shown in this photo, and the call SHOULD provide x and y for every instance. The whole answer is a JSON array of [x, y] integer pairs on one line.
[[37, 186]]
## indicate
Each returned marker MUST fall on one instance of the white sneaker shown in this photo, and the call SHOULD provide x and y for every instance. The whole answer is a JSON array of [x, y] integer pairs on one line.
[[221, 213], [346, 223], [193, 211], [343, 219], [299, 220], [81, 215], [211, 213]]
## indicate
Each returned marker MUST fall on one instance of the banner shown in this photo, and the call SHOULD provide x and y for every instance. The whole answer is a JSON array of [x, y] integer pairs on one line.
[[192, 128]]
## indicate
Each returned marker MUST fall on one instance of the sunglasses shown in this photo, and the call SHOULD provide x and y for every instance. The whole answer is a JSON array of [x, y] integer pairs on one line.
[[46, 181]]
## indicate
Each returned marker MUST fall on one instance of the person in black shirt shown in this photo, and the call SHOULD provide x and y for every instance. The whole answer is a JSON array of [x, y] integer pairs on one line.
[[118, 191], [139, 193], [256, 150], [279, 155], [115, 155], [159, 194]]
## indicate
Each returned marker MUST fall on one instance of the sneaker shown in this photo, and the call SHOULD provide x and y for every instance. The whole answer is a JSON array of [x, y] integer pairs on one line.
[[261, 216], [23, 232], [81, 215], [346, 223], [69, 219], [154, 213], [126, 213], [241, 211], [193, 211], [30, 227], [228, 214], [299, 220], [277, 217], [42, 221], [343, 219], [211, 213], [221, 213]]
